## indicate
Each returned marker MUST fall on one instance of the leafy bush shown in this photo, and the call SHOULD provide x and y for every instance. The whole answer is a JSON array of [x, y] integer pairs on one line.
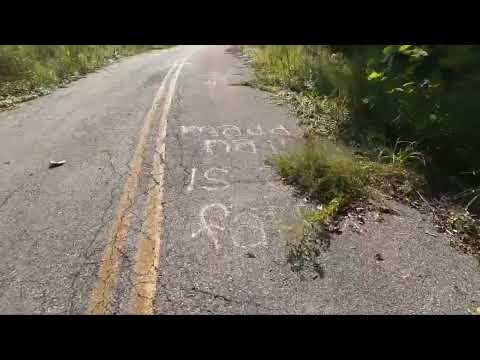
[[424, 94]]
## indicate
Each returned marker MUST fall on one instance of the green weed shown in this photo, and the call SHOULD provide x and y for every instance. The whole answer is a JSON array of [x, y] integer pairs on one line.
[[401, 154]]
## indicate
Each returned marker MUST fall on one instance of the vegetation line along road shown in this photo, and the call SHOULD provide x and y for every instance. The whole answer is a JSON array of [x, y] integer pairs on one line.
[[407, 116], [29, 71]]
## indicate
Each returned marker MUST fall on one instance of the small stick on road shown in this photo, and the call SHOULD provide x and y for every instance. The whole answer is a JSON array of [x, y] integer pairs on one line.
[[54, 164]]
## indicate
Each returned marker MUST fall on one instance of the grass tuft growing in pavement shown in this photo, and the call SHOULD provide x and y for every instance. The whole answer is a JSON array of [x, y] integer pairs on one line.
[[323, 174], [310, 237], [335, 180]]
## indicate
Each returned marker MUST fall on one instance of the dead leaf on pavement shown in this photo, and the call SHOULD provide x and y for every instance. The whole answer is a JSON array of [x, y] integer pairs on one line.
[[379, 257]]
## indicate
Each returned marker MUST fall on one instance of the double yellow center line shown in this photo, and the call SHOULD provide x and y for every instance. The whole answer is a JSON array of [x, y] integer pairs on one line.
[[148, 250]]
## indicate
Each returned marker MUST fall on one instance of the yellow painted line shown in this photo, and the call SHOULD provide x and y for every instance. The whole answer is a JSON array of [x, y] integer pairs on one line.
[[148, 254], [100, 300]]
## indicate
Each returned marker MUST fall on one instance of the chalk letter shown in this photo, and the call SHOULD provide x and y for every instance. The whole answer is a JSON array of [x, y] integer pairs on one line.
[[192, 180], [209, 226], [189, 129], [209, 143], [249, 229], [258, 132], [218, 181], [231, 130], [245, 146], [211, 130], [280, 128]]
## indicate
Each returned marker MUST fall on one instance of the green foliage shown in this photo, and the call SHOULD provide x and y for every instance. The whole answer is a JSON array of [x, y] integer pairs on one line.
[[26, 69], [324, 174], [309, 238], [401, 154], [421, 93], [338, 180], [373, 96], [375, 75], [326, 213], [321, 115], [317, 80], [427, 96], [302, 68]]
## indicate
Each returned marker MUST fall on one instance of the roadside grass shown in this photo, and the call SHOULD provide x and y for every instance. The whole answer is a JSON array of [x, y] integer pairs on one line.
[[29, 71], [315, 83], [321, 174], [317, 89], [324, 90], [335, 180]]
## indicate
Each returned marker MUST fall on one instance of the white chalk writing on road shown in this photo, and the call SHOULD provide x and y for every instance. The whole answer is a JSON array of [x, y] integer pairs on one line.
[[230, 131], [208, 227], [209, 177]]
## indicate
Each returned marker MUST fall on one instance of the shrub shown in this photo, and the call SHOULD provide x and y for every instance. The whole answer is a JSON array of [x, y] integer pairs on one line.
[[424, 94]]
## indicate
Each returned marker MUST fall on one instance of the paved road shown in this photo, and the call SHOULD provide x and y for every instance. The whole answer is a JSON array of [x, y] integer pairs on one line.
[[167, 205]]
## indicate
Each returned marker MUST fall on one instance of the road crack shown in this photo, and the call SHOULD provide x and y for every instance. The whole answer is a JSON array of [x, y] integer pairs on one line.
[[9, 195]]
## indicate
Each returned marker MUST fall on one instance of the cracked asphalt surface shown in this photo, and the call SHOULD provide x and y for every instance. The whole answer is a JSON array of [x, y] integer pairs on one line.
[[223, 237]]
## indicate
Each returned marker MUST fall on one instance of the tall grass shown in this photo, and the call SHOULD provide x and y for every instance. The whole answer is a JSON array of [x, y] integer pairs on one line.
[[326, 173], [302, 68], [25, 68], [319, 82]]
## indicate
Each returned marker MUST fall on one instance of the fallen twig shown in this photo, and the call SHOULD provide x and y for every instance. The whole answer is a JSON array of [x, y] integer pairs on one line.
[[426, 202]]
